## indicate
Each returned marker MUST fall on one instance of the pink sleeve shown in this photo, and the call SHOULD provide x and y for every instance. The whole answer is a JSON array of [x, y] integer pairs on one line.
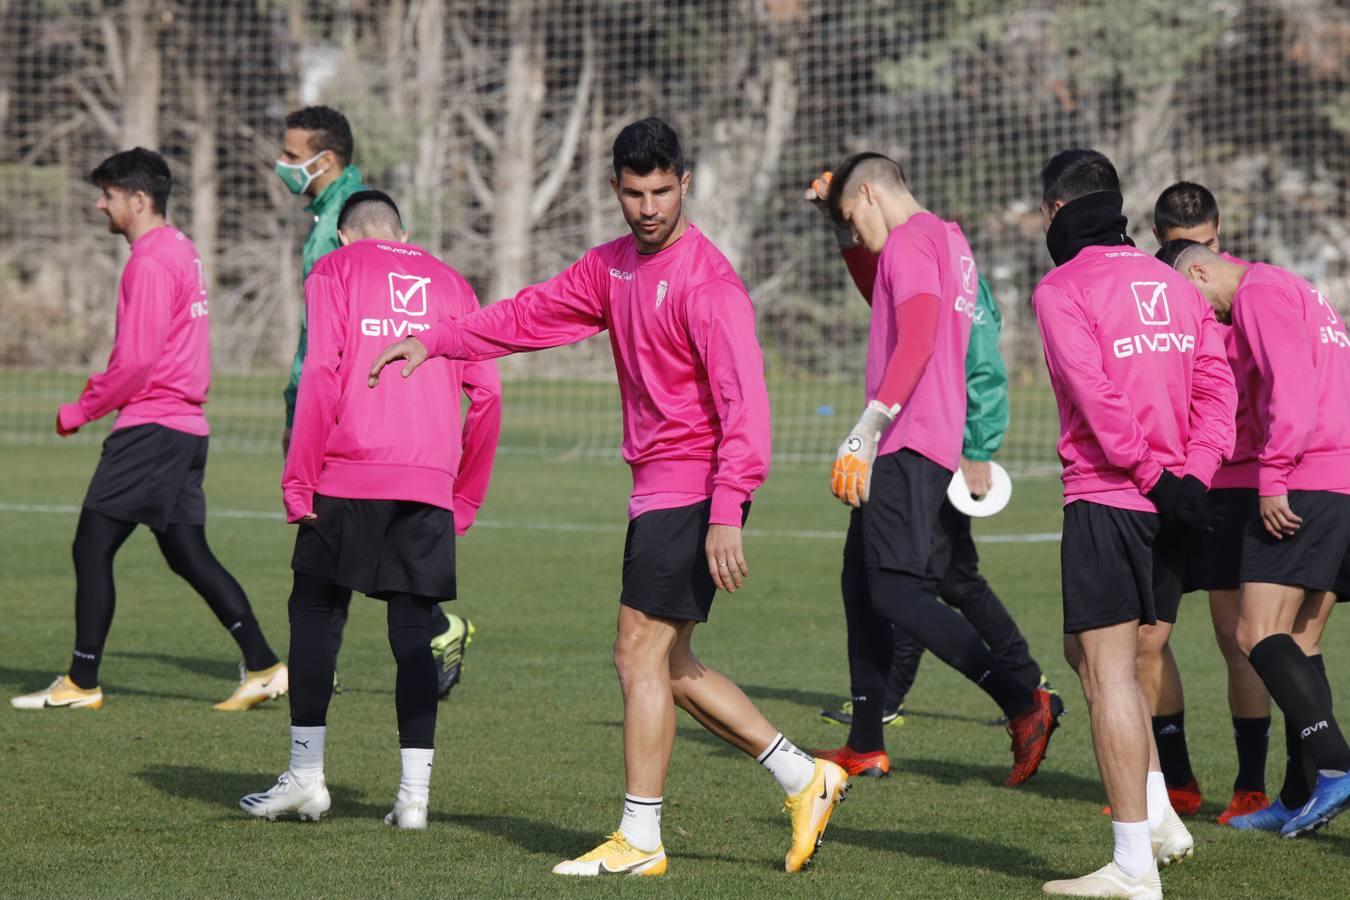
[[482, 429], [318, 393], [563, 310], [862, 266], [1277, 337], [1074, 359], [1213, 416], [916, 325], [721, 321], [144, 314]]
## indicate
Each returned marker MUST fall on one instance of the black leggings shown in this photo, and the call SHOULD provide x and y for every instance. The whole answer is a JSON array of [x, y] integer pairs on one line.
[[313, 658], [98, 538]]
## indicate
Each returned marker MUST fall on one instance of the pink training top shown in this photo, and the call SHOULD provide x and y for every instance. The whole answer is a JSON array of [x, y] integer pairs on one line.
[[1294, 366], [159, 370], [691, 374], [1239, 470], [1138, 368], [403, 439], [926, 255]]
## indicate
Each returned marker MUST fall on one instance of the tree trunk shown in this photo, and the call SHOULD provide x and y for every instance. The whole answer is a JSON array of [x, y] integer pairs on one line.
[[514, 163], [140, 89], [203, 179], [429, 165]]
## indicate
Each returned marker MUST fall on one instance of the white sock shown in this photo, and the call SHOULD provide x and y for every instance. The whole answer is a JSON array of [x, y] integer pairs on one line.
[[1134, 851], [416, 781], [1155, 792], [793, 768], [307, 750], [641, 822]]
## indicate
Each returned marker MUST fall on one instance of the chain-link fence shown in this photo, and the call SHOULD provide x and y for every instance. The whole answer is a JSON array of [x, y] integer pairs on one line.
[[491, 124]]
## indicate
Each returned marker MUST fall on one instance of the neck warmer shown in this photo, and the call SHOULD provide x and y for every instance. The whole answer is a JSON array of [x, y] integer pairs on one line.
[[1092, 220]]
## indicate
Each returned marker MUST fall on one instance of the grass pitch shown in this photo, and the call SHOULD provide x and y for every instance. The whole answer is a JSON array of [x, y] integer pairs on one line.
[[139, 799]]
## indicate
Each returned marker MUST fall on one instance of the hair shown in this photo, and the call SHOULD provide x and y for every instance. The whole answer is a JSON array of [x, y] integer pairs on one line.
[[873, 168], [329, 130], [1071, 174], [1184, 205], [135, 170], [1171, 252], [365, 210], [646, 146]]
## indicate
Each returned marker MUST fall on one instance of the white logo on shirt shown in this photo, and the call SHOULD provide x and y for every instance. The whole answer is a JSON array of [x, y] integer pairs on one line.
[[1150, 298], [1157, 342], [661, 292], [968, 278], [199, 309], [622, 276], [1334, 333], [408, 294]]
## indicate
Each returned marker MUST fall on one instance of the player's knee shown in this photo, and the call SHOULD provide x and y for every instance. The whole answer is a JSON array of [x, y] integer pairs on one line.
[[1153, 640], [1227, 640], [1248, 635]]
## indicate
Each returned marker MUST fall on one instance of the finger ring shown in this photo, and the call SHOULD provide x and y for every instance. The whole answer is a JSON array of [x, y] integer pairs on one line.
[[721, 565]]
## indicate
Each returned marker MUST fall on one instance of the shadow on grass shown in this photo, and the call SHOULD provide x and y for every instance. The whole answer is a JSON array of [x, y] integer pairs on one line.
[[947, 848], [210, 668], [1058, 785], [224, 788], [27, 680], [540, 837], [818, 700]]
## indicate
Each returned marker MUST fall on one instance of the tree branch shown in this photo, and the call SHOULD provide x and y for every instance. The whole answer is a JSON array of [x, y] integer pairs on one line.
[[477, 182], [567, 147]]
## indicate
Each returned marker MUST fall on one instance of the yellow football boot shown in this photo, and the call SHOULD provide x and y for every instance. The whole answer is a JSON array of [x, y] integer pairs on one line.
[[61, 692], [257, 687], [615, 857], [811, 811]]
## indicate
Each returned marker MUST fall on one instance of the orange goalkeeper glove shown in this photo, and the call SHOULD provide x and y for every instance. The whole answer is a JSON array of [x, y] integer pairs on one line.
[[851, 477]]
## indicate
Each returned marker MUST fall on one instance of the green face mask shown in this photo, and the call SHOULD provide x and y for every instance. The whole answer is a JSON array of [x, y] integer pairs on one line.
[[297, 176]]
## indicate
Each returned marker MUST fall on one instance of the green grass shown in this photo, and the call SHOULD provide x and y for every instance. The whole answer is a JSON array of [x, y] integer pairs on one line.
[[139, 798]]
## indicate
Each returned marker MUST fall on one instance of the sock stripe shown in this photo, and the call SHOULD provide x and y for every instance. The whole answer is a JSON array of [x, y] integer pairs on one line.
[[629, 798], [777, 742]]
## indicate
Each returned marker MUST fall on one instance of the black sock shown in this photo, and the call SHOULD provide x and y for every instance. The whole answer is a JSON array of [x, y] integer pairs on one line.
[[1299, 773], [1253, 739], [312, 655], [904, 669], [440, 622], [1296, 684], [1170, 734], [910, 603], [247, 633], [864, 735]]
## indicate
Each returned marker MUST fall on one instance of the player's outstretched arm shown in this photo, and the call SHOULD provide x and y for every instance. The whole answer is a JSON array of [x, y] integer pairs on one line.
[[563, 310], [861, 262]]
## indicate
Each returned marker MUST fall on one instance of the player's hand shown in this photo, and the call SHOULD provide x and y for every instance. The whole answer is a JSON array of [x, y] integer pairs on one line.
[[851, 477], [64, 432], [410, 349], [1278, 518], [726, 560], [978, 475], [286, 440]]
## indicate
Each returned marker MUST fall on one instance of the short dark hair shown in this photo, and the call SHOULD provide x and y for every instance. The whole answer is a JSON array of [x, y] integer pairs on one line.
[[855, 170], [1071, 174], [366, 208], [1171, 251], [135, 170], [1184, 205], [646, 146], [329, 130]]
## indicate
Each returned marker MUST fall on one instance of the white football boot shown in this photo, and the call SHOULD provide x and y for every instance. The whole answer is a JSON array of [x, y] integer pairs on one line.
[[308, 799]]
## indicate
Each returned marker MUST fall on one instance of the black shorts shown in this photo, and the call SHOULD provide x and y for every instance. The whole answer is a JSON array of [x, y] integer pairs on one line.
[[665, 566], [1342, 587], [1118, 565], [151, 475], [901, 522], [1312, 557], [379, 547], [1214, 558]]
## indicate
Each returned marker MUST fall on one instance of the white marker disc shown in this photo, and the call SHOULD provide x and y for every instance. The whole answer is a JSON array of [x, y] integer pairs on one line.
[[1000, 491]]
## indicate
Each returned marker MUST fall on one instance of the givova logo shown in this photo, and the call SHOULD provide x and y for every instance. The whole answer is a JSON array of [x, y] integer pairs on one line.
[[1334, 332], [407, 297], [969, 279], [1150, 298]]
